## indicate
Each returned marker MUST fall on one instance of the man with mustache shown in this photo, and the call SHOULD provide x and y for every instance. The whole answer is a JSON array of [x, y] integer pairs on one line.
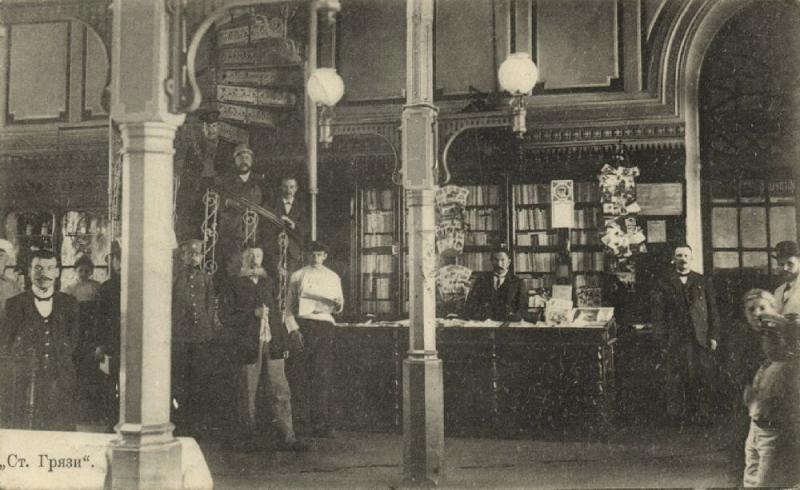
[[685, 314], [42, 325], [241, 183], [498, 295]]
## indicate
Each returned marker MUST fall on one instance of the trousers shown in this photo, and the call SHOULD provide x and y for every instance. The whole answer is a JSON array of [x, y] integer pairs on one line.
[[768, 458], [277, 390]]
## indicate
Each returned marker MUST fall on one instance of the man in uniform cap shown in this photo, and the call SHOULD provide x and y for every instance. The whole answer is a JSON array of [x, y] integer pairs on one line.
[[243, 183], [194, 329], [8, 286]]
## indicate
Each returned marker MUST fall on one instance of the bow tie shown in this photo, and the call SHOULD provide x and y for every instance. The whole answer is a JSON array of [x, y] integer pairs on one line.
[[38, 298]]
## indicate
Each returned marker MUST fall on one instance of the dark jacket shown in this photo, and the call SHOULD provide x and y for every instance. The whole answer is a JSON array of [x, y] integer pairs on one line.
[[507, 303], [108, 329], [239, 319], [682, 312], [48, 388], [298, 213], [193, 308]]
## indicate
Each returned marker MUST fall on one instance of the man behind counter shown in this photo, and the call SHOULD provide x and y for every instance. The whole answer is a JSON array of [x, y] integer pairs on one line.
[[497, 295]]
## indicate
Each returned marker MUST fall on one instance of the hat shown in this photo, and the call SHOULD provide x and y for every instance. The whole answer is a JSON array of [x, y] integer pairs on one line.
[[786, 249], [6, 246], [241, 148], [193, 244], [316, 246], [209, 116]]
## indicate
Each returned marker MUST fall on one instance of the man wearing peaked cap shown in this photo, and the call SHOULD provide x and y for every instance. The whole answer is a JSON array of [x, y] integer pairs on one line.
[[241, 183]]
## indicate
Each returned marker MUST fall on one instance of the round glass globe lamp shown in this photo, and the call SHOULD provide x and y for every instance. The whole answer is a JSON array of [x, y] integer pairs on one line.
[[518, 74], [325, 86]]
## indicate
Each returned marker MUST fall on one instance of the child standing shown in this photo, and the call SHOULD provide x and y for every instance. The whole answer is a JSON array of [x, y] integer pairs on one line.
[[772, 399]]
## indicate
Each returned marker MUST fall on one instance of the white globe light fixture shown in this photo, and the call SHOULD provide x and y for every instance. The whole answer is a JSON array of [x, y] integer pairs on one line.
[[517, 76], [325, 88]]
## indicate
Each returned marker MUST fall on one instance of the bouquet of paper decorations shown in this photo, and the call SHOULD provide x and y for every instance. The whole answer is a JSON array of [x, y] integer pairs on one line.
[[618, 190], [453, 280], [623, 237], [450, 226]]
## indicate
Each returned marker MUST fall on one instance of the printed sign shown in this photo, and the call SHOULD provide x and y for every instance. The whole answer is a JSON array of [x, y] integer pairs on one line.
[[246, 114], [255, 96], [269, 77], [229, 132], [562, 206]]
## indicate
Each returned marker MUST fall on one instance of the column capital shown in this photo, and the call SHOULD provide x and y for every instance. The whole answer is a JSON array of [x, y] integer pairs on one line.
[[148, 137]]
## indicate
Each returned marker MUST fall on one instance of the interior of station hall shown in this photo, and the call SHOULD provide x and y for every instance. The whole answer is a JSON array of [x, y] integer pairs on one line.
[[692, 106]]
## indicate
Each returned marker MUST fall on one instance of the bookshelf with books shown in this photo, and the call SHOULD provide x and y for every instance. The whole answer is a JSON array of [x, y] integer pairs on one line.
[[544, 256], [377, 247], [484, 217]]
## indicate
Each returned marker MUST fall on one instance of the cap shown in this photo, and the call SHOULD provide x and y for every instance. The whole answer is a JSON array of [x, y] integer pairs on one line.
[[786, 249], [241, 148], [194, 244]]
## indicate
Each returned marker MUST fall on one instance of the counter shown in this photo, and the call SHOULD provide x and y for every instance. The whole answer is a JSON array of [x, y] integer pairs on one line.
[[509, 380]]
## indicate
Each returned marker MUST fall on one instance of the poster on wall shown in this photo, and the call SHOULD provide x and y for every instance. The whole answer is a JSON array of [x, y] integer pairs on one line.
[[562, 203]]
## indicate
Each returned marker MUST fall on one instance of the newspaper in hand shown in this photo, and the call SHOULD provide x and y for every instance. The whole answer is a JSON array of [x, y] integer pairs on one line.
[[321, 294]]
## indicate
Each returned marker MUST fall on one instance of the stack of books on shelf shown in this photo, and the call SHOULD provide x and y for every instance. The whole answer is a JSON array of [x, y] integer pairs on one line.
[[377, 199], [587, 192], [378, 222], [537, 239], [584, 237], [535, 262], [372, 240], [376, 263], [587, 217], [483, 195], [532, 194], [587, 261], [587, 280], [486, 219], [376, 287], [538, 283], [376, 307], [477, 238], [476, 261], [533, 219]]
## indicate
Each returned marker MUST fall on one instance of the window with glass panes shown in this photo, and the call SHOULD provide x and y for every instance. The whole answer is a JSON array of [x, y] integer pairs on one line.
[[748, 217]]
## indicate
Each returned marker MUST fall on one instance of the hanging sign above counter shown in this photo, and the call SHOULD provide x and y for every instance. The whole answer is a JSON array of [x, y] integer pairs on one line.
[[256, 96]]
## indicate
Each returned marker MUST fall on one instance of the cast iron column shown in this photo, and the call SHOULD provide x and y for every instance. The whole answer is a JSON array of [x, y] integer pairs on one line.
[[423, 418], [146, 455]]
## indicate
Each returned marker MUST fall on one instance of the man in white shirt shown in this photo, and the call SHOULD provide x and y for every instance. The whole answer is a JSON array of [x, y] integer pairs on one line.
[[313, 296]]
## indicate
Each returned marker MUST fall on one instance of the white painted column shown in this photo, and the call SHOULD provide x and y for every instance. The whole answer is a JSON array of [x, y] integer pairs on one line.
[[146, 455], [423, 400]]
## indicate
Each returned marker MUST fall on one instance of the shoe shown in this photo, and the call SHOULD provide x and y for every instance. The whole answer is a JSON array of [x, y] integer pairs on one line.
[[294, 446]]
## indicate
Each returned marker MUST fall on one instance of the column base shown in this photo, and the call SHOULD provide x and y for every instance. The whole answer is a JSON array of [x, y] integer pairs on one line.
[[145, 457], [423, 422]]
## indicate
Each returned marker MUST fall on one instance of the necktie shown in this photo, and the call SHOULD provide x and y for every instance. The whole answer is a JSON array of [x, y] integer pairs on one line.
[[787, 292]]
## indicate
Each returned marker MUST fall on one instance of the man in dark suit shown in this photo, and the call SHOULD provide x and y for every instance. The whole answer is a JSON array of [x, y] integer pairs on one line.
[[685, 315], [42, 328], [497, 295], [294, 213]]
